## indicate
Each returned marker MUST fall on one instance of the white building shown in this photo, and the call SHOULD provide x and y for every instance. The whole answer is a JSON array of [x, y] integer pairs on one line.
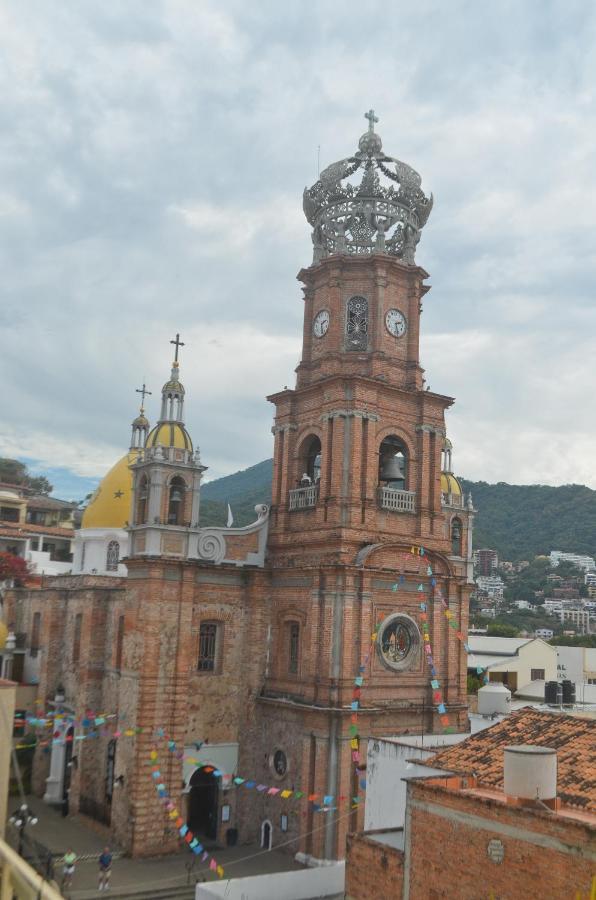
[[553, 607], [522, 604], [516, 662], [545, 633], [582, 562], [492, 585], [580, 618]]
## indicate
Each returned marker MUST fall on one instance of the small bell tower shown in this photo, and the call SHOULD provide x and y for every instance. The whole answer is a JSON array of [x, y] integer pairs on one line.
[[140, 425], [166, 479]]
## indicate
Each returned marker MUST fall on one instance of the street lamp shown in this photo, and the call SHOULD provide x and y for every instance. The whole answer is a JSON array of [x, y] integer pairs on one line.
[[20, 819]]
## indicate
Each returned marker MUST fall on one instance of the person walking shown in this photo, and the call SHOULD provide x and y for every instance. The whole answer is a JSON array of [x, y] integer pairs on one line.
[[105, 869], [70, 858]]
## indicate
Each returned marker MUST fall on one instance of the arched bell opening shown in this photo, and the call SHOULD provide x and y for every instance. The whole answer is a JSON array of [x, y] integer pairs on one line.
[[176, 501], [142, 500], [393, 463], [310, 462], [456, 537]]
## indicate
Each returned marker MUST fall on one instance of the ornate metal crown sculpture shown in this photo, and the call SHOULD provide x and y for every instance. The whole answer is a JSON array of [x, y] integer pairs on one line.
[[371, 217]]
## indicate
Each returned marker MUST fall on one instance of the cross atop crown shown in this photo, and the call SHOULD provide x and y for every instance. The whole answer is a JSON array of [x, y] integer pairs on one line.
[[178, 344], [370, 115]]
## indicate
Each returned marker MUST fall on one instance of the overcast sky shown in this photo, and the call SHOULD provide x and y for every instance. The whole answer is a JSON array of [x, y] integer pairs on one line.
[[152, 162]]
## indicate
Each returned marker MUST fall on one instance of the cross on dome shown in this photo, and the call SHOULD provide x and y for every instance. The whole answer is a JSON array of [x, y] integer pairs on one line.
[[144, 393], [178, 344], [372, 119]]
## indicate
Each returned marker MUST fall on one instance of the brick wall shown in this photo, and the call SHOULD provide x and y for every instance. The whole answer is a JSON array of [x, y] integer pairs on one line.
[[545, 855], [374, 871]]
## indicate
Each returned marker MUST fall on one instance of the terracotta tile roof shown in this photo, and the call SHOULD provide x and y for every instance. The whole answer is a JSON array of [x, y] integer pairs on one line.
[[573, 737], [20, 530], [40, 501]]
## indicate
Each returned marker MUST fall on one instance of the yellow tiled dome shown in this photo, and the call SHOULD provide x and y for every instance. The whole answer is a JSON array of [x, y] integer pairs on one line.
[[450, 484], [169, 434], [109, 506]]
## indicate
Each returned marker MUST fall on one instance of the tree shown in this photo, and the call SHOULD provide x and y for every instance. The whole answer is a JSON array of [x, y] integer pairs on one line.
[[576, 640], [12, 471], [495, 629], [13, 568]]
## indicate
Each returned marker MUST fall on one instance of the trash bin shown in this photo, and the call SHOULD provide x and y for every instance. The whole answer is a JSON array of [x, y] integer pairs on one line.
[[232, 837]]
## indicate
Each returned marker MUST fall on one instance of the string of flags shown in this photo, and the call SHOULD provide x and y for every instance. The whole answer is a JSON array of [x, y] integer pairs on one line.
[[93, 725], [184, 831]]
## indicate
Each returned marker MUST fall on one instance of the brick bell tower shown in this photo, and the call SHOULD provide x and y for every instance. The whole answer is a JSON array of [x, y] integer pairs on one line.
[[362, 473]]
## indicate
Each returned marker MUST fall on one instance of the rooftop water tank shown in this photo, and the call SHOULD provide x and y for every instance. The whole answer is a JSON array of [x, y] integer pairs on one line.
[[553, 693], [530, 772], [568, 692], [494, 698]]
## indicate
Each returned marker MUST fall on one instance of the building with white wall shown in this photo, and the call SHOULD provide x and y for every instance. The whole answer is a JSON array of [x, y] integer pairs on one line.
[[492, 585], [579, 618], [514, 661], [582, 562]]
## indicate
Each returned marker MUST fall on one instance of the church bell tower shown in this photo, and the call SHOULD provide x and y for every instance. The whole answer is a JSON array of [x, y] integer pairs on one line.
[[364, 521]]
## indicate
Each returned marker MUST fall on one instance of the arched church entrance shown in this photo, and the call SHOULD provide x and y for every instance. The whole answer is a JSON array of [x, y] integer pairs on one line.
[[202, 803], [266, 835]]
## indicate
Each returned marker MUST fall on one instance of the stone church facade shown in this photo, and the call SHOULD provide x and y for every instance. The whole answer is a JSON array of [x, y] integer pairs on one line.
[[243, 644]]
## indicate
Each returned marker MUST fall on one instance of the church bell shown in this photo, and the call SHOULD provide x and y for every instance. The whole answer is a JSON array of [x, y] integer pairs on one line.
[[392, 469]]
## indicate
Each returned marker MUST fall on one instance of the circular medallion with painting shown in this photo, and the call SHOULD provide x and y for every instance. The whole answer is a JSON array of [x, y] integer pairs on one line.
[[397, 641]]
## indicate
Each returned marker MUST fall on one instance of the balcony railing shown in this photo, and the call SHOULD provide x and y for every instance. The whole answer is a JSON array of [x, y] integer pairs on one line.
[[453, 500], [19, 880], [397, 501], [304, 497]]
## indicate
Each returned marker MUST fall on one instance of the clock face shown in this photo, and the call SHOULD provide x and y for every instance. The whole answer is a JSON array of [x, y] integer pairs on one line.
[[396, 322], [321, 323]]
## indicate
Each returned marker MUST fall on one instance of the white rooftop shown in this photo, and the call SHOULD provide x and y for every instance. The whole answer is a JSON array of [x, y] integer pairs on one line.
[[499, 646]]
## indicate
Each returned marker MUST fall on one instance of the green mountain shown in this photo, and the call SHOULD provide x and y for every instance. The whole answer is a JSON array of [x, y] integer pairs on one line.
[[523, 521], [519, 521], [242, 490]]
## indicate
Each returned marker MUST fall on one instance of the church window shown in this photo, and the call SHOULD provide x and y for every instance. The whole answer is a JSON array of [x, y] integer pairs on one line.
[[176, 501], [357, 323], [35, 631], [119, 642], [113, 556], [209, 647], [398, 642], [393, 463], [293, 641], [456, 537], [76, 644], [142, 501]]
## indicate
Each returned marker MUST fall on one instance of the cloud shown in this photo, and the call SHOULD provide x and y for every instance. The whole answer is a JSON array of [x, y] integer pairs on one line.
[[153, 162]]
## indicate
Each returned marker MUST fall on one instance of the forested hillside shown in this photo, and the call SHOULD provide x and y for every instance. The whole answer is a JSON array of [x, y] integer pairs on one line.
[[519, 521]]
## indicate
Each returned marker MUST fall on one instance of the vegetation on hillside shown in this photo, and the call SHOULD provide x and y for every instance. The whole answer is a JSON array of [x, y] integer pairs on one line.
[[14, 472], [524, 521]]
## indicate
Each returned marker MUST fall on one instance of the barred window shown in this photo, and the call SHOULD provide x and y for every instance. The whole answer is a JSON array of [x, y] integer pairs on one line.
[[293, 647], [209, 647], [35, 631], [113, 556], [119, 642], [76, 647], [357, 324]]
